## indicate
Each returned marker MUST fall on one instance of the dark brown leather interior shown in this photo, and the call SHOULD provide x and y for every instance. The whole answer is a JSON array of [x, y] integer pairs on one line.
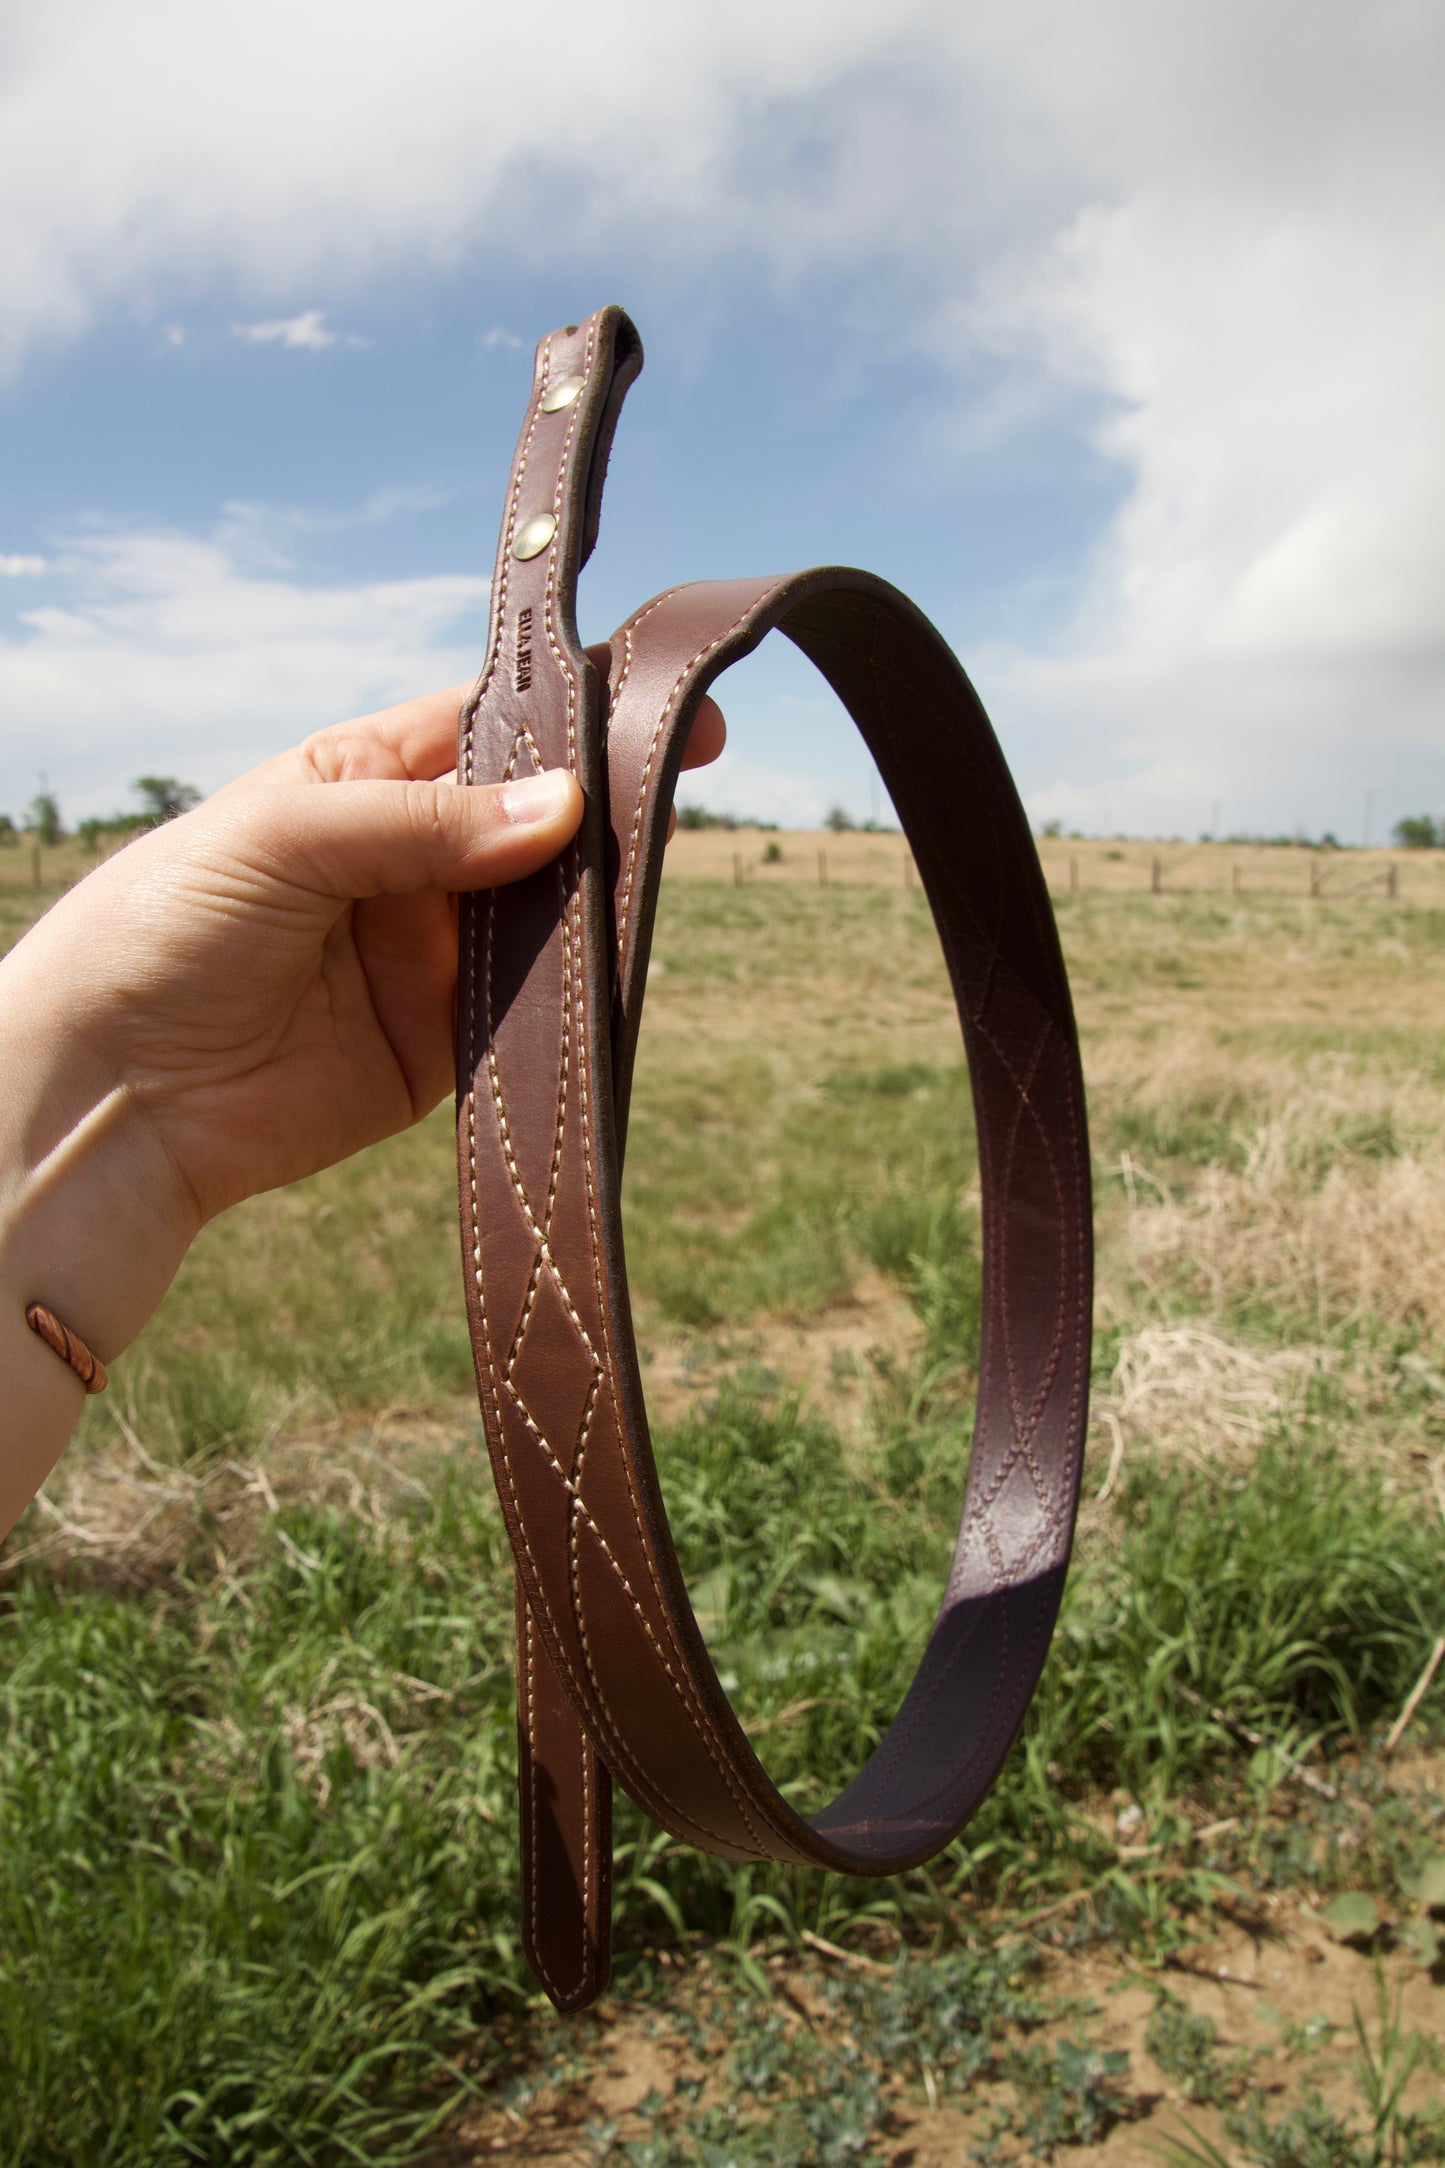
[[614, 1679]]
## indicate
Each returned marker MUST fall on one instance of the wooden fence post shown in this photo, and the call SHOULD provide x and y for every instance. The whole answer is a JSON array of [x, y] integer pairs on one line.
[[1314, 877], [1156, 877], [1392, 887], [1234, 880], [35, 864], [737, 869]]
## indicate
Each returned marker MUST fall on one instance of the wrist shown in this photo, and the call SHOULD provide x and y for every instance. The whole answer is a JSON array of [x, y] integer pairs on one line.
[[94, 1220]]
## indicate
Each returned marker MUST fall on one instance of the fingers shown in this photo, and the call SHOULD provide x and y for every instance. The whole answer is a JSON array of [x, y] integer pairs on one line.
[[707, 737], [417, 741], [373, 838], [705, 740], [709, 733]]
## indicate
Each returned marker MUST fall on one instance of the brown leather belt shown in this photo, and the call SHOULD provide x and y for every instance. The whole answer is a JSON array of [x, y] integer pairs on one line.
[[614, 1680]]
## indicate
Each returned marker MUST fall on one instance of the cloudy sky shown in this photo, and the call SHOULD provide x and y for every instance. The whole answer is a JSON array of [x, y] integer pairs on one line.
[[1112, 330]]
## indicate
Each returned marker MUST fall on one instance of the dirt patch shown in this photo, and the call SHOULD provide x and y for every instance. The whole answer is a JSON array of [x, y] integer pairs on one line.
[[833, 1359], [1281, 1996]]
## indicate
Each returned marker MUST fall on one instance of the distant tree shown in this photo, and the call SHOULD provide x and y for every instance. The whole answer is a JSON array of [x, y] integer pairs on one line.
[[164, 797], [1417, 832], [839, 819], [97, 834], [43, 816], [8, 835], [1052, 829]]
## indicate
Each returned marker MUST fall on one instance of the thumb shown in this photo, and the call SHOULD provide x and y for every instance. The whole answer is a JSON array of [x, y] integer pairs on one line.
[[397, 838]]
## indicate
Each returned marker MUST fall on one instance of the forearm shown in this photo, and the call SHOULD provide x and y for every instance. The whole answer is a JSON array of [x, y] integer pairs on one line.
[[91, 1222]]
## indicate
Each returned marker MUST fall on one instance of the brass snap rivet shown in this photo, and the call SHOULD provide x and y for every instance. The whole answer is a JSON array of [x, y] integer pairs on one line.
[[534, 535], [561, 394]]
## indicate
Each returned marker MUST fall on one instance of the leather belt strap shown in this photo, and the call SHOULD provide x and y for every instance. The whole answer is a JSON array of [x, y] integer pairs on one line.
[[614, 1679]]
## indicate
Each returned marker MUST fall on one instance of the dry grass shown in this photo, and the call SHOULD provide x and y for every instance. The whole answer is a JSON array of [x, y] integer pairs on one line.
[[1323, 1196], [1181, 1390], [116, 1518], [279, 1553], [856, 858], [1364, 1243]]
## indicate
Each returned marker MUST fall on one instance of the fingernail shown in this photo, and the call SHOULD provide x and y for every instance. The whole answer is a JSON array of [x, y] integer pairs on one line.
[[533, 799]]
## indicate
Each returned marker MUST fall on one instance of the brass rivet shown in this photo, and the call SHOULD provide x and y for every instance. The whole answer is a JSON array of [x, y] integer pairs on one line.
[[534, 535], [561, 394]]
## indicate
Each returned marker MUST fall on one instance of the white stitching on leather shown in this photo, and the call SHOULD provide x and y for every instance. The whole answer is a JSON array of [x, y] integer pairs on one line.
[[645, 1783], [572, 933], [1026, 1400], [682, 1678], [584, 1747], [615, 691], [757, 602], [621, 1750], [721, 1762], [519, 1189], [504, 559], [529, 1712], [534, 1878]]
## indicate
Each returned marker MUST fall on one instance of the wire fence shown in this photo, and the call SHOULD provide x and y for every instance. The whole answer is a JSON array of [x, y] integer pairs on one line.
[[750, 857], [864, 859]]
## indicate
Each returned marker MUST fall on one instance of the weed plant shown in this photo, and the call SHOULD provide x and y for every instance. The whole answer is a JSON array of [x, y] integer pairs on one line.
[[1376, 2131]]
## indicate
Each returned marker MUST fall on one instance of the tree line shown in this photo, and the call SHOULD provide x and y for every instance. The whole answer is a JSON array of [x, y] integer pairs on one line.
[[162, 798]]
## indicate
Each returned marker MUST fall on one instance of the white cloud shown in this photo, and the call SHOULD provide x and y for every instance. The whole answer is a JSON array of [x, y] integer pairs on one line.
[[19, 567], [1259, 624], [1219, 222], [307, 331], [198, 655], [159, 146], [161, 650], [265, 533]]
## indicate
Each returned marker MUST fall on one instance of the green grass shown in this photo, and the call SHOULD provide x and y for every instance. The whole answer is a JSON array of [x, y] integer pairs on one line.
[[230, 1930], [257, 1851], [257, 1865]]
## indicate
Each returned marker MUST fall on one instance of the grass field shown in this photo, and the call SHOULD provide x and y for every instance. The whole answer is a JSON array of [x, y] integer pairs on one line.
[[257, 1882]]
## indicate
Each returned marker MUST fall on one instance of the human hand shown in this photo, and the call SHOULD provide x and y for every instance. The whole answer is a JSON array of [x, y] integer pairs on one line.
[[243, 996]]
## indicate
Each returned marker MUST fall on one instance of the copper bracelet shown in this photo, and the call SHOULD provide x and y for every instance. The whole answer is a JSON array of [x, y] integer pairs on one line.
[[68, 1346]]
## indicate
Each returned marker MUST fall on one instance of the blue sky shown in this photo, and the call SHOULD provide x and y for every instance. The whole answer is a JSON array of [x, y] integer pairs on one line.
[[1114, 335]]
